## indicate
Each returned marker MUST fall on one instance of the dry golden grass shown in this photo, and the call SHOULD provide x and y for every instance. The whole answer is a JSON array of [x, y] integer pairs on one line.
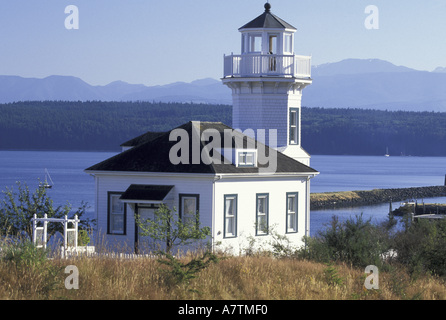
[[234, 278], [334, 196]]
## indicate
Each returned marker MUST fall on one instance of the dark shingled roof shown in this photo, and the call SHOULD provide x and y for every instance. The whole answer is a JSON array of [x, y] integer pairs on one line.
[[146, 192], [153, 156], [268, 20], [148, 136]]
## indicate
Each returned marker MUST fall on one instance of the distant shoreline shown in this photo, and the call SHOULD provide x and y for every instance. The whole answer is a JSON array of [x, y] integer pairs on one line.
[[117, 150], [344, 199]]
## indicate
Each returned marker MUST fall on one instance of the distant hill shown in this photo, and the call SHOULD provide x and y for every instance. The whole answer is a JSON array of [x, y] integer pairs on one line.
[[67, 88], [350, 83], [356, 66], [375, 84]]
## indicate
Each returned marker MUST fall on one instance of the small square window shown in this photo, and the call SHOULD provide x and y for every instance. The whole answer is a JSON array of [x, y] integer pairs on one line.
[[246, 158], [255, 43]]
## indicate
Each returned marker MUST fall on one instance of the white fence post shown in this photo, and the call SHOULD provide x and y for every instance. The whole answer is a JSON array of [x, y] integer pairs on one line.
[[34, 219], [65, 221], [65, 236], [45, 230], [76, 224]]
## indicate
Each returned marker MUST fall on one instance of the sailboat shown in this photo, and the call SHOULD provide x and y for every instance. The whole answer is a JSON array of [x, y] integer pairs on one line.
[[387, 153], [45, 184]]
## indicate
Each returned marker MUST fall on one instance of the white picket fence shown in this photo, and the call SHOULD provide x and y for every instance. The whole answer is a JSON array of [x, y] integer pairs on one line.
[[89, 251]]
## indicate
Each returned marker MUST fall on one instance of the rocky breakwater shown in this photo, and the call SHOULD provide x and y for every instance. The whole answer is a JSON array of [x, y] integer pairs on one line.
[[358, 198]]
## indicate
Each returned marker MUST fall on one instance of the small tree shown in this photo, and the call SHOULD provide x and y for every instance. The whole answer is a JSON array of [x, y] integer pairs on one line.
[[168, 229], [171, 231], [17, 208]]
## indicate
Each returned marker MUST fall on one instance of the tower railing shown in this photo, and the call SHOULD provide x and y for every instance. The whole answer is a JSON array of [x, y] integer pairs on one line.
[[260, 65]]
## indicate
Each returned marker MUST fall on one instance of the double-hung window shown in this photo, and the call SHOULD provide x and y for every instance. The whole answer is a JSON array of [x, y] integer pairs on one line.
[[262, 208], [116, 214], [291, 215], [230, 207], [189, 208], [294, 126]]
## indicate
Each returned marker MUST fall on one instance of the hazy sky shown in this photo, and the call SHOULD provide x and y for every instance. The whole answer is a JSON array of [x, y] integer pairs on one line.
[[159, 42]]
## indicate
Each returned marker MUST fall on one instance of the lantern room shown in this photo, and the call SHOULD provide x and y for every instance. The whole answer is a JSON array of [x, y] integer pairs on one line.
[[267, 34]]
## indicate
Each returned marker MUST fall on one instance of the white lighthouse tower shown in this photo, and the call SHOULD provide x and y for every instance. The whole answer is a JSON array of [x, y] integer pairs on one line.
[[267, 80]]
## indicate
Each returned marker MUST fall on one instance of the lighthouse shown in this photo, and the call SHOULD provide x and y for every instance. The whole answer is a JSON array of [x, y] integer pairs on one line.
[[267, 79]]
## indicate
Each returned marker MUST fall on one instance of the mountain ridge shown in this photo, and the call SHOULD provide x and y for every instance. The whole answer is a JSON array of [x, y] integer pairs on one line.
[[358, 83]]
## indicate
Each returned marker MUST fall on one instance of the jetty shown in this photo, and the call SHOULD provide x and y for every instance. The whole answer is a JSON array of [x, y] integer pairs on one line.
[[343, 199], [421, 209]]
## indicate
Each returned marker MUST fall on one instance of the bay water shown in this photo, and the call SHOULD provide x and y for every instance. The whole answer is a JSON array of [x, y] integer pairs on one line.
[[337, 173]]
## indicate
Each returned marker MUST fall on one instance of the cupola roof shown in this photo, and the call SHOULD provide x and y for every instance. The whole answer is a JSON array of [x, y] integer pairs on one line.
[[268, 20]]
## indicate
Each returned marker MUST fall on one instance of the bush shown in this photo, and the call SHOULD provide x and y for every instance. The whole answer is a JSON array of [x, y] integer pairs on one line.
[[179, 272], [24, 254], [28, 265], [355, 241], [421, 246]]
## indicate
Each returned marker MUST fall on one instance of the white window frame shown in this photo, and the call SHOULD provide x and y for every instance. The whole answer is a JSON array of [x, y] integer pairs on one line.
[[294, 128], [273, 47], [262, 217], [291, 215], [244, 154], [288, 43], [115, 212], [254, 42], [230, 218]]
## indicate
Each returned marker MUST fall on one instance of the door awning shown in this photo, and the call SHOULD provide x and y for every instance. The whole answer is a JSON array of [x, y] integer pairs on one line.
[[142, 193]]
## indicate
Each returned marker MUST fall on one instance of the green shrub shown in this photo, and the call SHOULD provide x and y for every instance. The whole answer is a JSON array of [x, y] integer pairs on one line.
[[421, 246], [355, 241], [24, 253], [179, 272], [25, 261]]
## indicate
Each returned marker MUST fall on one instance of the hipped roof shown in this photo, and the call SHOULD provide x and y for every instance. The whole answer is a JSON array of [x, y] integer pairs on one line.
[[267, 20], [153, 155]]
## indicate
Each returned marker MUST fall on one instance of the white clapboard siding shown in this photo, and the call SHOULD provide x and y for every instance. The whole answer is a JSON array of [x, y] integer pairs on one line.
[[188, 184], [246, 190]]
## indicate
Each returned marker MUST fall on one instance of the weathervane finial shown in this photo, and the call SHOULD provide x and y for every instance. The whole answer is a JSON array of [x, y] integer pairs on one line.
[[267, 6]]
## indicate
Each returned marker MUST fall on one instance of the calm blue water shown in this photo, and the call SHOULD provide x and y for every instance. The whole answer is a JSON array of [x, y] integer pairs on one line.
[[347, 173], [71, 184], [338, 173]]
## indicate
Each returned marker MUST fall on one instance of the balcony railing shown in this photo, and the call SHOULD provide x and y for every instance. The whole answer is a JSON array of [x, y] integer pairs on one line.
[[260, 65]]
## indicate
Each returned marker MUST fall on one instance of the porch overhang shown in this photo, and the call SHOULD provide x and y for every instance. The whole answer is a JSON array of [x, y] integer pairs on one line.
[[143, 193]]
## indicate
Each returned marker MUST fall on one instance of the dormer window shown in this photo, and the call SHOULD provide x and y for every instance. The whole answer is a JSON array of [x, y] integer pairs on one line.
[[246, 158]]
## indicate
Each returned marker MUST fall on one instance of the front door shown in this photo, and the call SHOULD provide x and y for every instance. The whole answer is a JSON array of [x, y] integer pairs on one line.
[[144, 244]]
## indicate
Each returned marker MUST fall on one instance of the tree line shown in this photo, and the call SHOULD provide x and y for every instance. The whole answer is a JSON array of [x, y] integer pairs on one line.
[[103, 126], [371, 132]]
